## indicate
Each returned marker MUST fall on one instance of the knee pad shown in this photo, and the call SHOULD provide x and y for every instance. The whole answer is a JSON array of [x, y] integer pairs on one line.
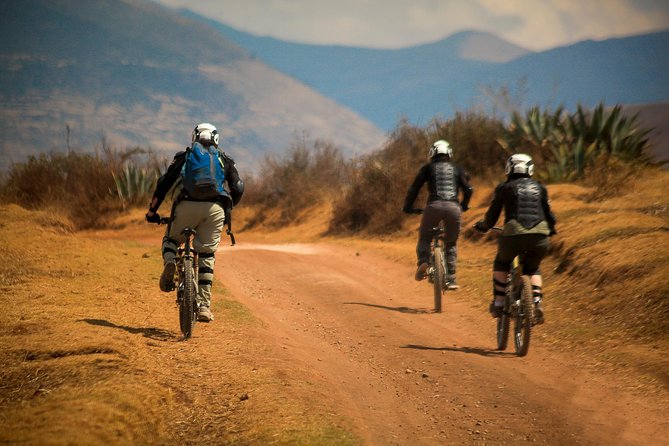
[[498, 288], [537, 294]]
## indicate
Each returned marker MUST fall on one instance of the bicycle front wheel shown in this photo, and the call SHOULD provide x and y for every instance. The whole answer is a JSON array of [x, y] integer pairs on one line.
[[439, 278], [187, 304], [523, 326], [503, 324]]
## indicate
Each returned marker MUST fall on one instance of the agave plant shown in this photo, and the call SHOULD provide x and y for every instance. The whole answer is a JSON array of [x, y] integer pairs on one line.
[[534, 130], [566, 144], [134, 184]]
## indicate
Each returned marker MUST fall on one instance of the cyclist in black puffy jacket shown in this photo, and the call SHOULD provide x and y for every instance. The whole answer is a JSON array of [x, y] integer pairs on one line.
[[528, 223], [445, 180]]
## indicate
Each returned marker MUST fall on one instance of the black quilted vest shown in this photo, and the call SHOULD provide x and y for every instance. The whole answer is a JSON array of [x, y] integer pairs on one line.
[[522, 202], [443, 183]]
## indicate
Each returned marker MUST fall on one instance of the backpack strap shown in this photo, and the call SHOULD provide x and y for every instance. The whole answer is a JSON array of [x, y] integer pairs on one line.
[[221, 156]]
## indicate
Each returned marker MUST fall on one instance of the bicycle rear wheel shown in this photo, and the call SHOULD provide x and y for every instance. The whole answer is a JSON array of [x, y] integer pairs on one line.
[[187, 304], [439, 277], [523, 326]]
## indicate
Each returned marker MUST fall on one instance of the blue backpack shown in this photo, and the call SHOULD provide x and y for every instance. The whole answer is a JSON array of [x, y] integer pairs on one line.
[[203, 173]]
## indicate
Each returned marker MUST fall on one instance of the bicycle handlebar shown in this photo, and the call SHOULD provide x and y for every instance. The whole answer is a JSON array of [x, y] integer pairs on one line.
[[166, 220]]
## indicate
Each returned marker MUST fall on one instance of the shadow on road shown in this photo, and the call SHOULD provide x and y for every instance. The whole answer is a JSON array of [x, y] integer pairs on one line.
[[474, 350], [157, 334], [400, 309]]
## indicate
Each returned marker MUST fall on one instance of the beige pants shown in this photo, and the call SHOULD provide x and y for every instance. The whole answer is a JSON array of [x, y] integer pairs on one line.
[[207, 218]]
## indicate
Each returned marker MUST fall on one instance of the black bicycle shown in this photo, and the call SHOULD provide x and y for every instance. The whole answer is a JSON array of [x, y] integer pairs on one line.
[[437, 271], [519, 307], [186, 281]]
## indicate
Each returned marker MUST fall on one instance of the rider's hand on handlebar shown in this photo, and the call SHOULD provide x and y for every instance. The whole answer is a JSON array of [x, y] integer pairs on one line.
[[152, 217]]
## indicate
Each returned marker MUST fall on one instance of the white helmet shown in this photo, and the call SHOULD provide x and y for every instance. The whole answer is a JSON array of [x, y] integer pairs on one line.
[[441, 147], [519, 163], [205, 133]]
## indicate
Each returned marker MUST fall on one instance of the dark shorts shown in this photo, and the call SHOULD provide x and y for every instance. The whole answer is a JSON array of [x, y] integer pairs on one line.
[[532, 248]]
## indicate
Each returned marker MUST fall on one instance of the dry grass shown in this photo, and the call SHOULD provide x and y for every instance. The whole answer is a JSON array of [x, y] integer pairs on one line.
[[80, 328], [91, 350]]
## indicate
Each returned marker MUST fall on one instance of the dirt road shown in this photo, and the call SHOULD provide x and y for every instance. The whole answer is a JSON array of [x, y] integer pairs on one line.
[[326, 343], [357, 333]]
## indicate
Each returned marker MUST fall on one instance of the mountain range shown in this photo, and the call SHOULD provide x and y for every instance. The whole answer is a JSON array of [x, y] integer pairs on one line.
[[80, 74], [85, 73], [468, 70]]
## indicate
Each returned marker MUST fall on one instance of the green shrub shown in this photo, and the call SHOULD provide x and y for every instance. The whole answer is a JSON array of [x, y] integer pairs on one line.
[[134, 179], [565, 145]]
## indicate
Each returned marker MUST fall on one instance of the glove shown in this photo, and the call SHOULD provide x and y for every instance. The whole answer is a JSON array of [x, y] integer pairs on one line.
[[406, 210], [552, 232], [410, 210], [464, 207], [152, 217], [481, 226]]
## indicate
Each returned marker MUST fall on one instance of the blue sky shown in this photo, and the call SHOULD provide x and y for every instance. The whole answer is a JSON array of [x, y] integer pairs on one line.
[[532, 24]]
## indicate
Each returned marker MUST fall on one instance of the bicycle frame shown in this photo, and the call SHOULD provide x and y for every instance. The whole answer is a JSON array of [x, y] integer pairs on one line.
[[513, 285], [438, 234], [187, 283], [438, 270], [186, 252], [518, 306], [187, 267]]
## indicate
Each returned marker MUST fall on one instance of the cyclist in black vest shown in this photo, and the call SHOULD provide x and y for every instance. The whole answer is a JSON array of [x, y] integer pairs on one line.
[[206, 216], [444, 180], [528, 223]]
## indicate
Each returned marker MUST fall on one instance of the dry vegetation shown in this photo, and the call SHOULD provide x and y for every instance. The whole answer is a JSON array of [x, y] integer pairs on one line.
[[89, 189], [608, 272], [86, 361], [607, 283]]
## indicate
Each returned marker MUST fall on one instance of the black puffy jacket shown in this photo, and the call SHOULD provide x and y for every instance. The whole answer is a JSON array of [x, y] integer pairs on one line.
[[444, 180], [524, 200]]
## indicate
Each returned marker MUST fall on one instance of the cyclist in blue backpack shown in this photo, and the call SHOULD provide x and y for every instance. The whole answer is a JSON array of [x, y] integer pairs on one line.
[[203, 204]]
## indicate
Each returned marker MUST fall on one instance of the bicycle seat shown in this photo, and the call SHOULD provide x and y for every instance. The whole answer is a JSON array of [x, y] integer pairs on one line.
[[188, 232]]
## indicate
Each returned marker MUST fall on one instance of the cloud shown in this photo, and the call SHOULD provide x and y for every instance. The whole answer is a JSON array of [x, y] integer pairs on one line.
[[535, 24], [550, 23]]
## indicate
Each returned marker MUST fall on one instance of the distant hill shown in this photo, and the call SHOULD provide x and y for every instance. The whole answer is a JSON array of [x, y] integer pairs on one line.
[[134, 73], [384, 85], [655, 117], [468, 70]]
